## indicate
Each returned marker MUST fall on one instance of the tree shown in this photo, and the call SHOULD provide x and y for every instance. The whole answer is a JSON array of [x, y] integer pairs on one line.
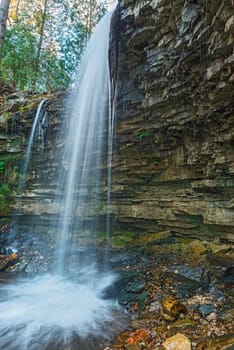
[[86, 12], [4, 9], [18, 57], [94, 11], [45, 40], [41, 35]]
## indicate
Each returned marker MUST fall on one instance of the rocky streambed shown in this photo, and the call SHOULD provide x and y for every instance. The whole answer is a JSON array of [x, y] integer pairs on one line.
[[179, 297], [177, 294]]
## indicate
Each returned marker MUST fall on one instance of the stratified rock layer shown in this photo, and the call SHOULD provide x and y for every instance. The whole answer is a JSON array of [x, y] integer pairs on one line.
[[173, 164], [33, 203]]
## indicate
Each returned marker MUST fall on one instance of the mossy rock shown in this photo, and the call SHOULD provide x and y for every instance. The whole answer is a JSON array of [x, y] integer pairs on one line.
[[152, 239], [225, 342], [4, 199], [183, 323], [122, 240], [172, 308], [215, 247], [195, 249], [5, 220], [4, 206], [100, 237], [198, 247], [223, 258]]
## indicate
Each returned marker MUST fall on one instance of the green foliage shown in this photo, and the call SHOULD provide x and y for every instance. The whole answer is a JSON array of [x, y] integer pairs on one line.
[[86, 13], [4, 190], [45, 41], [16, 142], [9, 176], [8, 168], [5, 221], [2, 163], [53, 75], [143, 134], [18, 57], [4, 200], [72, 44]]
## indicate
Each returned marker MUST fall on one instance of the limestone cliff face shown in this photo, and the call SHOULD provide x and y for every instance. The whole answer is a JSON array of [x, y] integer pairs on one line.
[[173, 162], [37, 203], [173, 166], [33, 204]]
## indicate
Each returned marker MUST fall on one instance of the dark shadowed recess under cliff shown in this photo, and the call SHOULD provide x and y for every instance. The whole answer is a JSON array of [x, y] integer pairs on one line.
[[173, 166]]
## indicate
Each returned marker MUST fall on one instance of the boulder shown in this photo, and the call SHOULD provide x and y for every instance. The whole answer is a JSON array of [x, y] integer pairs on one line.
[[177, 342]]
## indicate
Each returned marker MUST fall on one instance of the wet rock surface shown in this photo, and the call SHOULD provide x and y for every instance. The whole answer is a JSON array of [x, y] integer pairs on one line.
[[170, 296], [186, 303], [34, 253], [17, 113]]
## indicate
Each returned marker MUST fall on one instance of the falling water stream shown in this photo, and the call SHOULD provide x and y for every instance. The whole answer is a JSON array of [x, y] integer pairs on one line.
[[60, 310], [39, 119], [36, 122], [85, 146]]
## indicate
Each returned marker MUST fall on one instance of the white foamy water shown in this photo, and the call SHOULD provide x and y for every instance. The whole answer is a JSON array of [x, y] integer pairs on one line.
[[49, 312]]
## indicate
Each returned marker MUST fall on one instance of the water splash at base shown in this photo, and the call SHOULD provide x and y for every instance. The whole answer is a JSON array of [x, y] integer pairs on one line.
[[49, 312]]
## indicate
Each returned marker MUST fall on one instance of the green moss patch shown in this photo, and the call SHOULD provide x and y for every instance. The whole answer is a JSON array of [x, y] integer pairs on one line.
[[4, 199], [151, 239], [122, 240]]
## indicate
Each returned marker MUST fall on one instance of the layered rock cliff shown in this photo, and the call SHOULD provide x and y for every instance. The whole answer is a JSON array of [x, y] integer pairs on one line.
[[173, 166], [32, 204], [173, 161]]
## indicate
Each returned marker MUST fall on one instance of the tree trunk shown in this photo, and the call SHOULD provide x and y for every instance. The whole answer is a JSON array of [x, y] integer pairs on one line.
[[89, 19], [4, 8], [38, 57]]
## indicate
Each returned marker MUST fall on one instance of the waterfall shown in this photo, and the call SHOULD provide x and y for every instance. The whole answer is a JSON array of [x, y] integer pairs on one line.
[[38, 117], [68, 311], [85, 147]]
